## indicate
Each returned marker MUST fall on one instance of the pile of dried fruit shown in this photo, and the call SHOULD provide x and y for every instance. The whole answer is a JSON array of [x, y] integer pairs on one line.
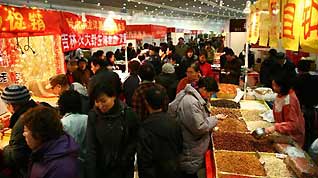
[[230, 113], [231, 125], [241, 142], [225, 104], [239, 163]]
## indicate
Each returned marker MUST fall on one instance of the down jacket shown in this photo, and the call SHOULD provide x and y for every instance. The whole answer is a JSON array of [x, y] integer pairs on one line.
[[196, 123]]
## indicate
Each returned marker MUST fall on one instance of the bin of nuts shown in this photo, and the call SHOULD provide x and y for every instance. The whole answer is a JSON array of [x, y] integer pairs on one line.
[[231, 125], [230, 113], [241, 142], [239, 163]]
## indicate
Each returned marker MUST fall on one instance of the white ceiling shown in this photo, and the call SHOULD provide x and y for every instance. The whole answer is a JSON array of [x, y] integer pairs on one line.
[[191, 9]]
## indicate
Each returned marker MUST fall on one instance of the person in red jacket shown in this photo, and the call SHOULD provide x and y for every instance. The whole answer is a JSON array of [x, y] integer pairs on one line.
[[205, 67], [288, 117]]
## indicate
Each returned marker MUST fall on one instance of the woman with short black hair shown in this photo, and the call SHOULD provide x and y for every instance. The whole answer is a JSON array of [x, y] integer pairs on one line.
[[54, 153], [111, 135]]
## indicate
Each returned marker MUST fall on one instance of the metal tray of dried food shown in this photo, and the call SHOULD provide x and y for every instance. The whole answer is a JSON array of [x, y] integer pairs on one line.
[[261, 172]]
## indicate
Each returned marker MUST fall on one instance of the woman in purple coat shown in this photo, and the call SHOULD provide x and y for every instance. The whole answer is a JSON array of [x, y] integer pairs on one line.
[[54, 153]]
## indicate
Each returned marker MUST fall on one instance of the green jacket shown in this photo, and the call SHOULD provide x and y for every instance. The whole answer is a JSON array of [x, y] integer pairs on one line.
[[16, 154]]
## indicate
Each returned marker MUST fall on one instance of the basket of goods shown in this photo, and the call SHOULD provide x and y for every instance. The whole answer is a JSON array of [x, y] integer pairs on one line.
[[227, 91]]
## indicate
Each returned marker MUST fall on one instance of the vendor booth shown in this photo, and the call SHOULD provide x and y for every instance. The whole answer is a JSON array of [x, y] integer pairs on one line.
[[33, 42]]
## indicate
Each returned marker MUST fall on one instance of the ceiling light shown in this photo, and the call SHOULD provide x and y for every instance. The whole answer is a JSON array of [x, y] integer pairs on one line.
[[193, 6], [201, 2], [135, 6], [46, 1], [195, 0], [139, 2], [199, 7], [186, 4], [124, 4], [82, 0], [146, 7]]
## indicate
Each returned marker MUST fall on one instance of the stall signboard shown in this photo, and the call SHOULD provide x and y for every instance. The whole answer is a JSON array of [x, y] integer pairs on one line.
[[274, 12], [291, 23], [77, 31], [93, 32], [142, 31], [309, 26], [22, 21]]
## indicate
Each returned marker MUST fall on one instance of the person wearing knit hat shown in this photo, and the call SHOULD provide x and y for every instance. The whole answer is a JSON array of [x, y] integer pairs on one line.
[[15, 94], [16, 154], [168, 79]]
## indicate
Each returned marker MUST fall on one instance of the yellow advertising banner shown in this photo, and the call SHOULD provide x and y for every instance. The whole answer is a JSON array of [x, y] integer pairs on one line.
[[264, 29], [274, 14], [264, 23], [291, 23], [254, 23], [309, 26]]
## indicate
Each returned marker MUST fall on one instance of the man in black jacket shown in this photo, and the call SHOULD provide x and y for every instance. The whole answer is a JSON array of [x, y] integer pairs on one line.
[[16, 154], [160, 141], [267, 67]]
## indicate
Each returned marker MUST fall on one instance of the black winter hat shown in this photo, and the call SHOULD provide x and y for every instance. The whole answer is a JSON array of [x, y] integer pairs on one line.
[[14, 94]]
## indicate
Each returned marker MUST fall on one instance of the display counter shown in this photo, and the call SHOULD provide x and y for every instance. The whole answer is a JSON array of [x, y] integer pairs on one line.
[[236, 153]]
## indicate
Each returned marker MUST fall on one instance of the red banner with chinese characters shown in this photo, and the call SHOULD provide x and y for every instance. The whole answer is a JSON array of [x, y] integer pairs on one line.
[[141, 31], [309, 26], [76, 31], [22, 21], [92, 32], [73, 23]]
